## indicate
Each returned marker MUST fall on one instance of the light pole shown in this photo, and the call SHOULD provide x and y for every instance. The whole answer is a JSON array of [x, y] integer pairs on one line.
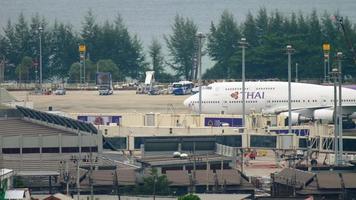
[[290, 51], [154, 187], [243, 45], [40, 30], [334, 75], [326, 50], [200, 36], [325, 70], [339, 58], [296, 72], [82, 51], [328, 66]]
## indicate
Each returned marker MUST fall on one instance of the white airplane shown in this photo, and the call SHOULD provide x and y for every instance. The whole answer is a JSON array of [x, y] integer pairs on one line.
[[309, 101]]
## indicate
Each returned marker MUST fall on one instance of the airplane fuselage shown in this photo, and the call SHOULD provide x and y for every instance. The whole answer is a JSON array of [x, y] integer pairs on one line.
[[266, 97]]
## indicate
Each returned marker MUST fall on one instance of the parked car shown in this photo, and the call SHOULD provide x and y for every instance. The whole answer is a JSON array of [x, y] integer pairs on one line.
[[60, 91]]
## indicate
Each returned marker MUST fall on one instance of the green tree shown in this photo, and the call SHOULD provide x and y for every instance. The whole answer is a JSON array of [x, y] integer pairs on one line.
[[114, 42], [189, 197], [89, 34], [250, 30], [154, 183], [155, 52], [181, 47], [262, 22], [90, 71], [3, 188], [74, 73], [222, 45], [64, 50], [108, 65], [157, 62], [23, 69]]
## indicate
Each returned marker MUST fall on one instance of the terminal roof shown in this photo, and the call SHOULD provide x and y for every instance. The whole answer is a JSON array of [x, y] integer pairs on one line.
[[57, 120]]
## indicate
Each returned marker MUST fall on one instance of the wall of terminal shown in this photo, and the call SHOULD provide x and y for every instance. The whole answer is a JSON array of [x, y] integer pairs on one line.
[[184, 142], [173, 120], [44, 152], [49, 144], [111, 123]]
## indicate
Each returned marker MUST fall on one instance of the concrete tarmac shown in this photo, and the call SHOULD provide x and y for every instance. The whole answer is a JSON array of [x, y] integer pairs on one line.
[[119, 102]]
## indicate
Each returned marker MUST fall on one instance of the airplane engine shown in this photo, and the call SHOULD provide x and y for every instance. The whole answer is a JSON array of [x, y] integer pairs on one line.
[[295, 117], [324, 114], [353, 115]]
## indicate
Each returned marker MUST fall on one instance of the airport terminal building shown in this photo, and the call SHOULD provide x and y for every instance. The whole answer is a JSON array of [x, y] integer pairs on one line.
[[32, 140]]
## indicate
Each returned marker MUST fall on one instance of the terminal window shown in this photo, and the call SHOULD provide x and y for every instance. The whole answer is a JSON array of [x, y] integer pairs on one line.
[[263, 141]]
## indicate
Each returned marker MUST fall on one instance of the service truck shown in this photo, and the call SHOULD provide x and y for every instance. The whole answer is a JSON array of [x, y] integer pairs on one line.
[[104, 83]]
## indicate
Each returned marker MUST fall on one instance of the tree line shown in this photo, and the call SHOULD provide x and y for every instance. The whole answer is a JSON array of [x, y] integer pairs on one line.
[[112, 48]]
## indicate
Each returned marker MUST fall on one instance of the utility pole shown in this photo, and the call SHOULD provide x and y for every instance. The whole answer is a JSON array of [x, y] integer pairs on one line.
[[2, 69], [82, 52], [207, 172], [242, 165], [194, 167], [296, 72], [40, 30], [78, 179], [243, 45], [154, 186], [326, 50], [200, 36], [339, 58], [117, 184], [91, 175], [76, 159], [335, 74], [66, 175], [290, 51]]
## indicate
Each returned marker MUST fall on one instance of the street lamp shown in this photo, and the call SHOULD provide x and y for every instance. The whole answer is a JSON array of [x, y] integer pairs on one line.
[[200, 36], [243, 45], [339, 58], [335, 74], [154, 186], [296, 72], [76, 159], [290, 51], [326, 50], [40, 30]]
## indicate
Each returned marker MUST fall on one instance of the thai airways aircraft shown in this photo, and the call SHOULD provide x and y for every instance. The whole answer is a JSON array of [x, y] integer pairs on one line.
[[309, 101]]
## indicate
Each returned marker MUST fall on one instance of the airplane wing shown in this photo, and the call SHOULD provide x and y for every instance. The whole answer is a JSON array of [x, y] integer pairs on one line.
[[308, 111]]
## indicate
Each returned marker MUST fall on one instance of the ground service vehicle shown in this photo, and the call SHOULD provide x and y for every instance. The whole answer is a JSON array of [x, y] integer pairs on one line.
[[182, 87], [104, 83]]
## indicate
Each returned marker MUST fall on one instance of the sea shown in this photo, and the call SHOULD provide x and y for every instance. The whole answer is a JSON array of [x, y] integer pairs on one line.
[[151, 19]]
